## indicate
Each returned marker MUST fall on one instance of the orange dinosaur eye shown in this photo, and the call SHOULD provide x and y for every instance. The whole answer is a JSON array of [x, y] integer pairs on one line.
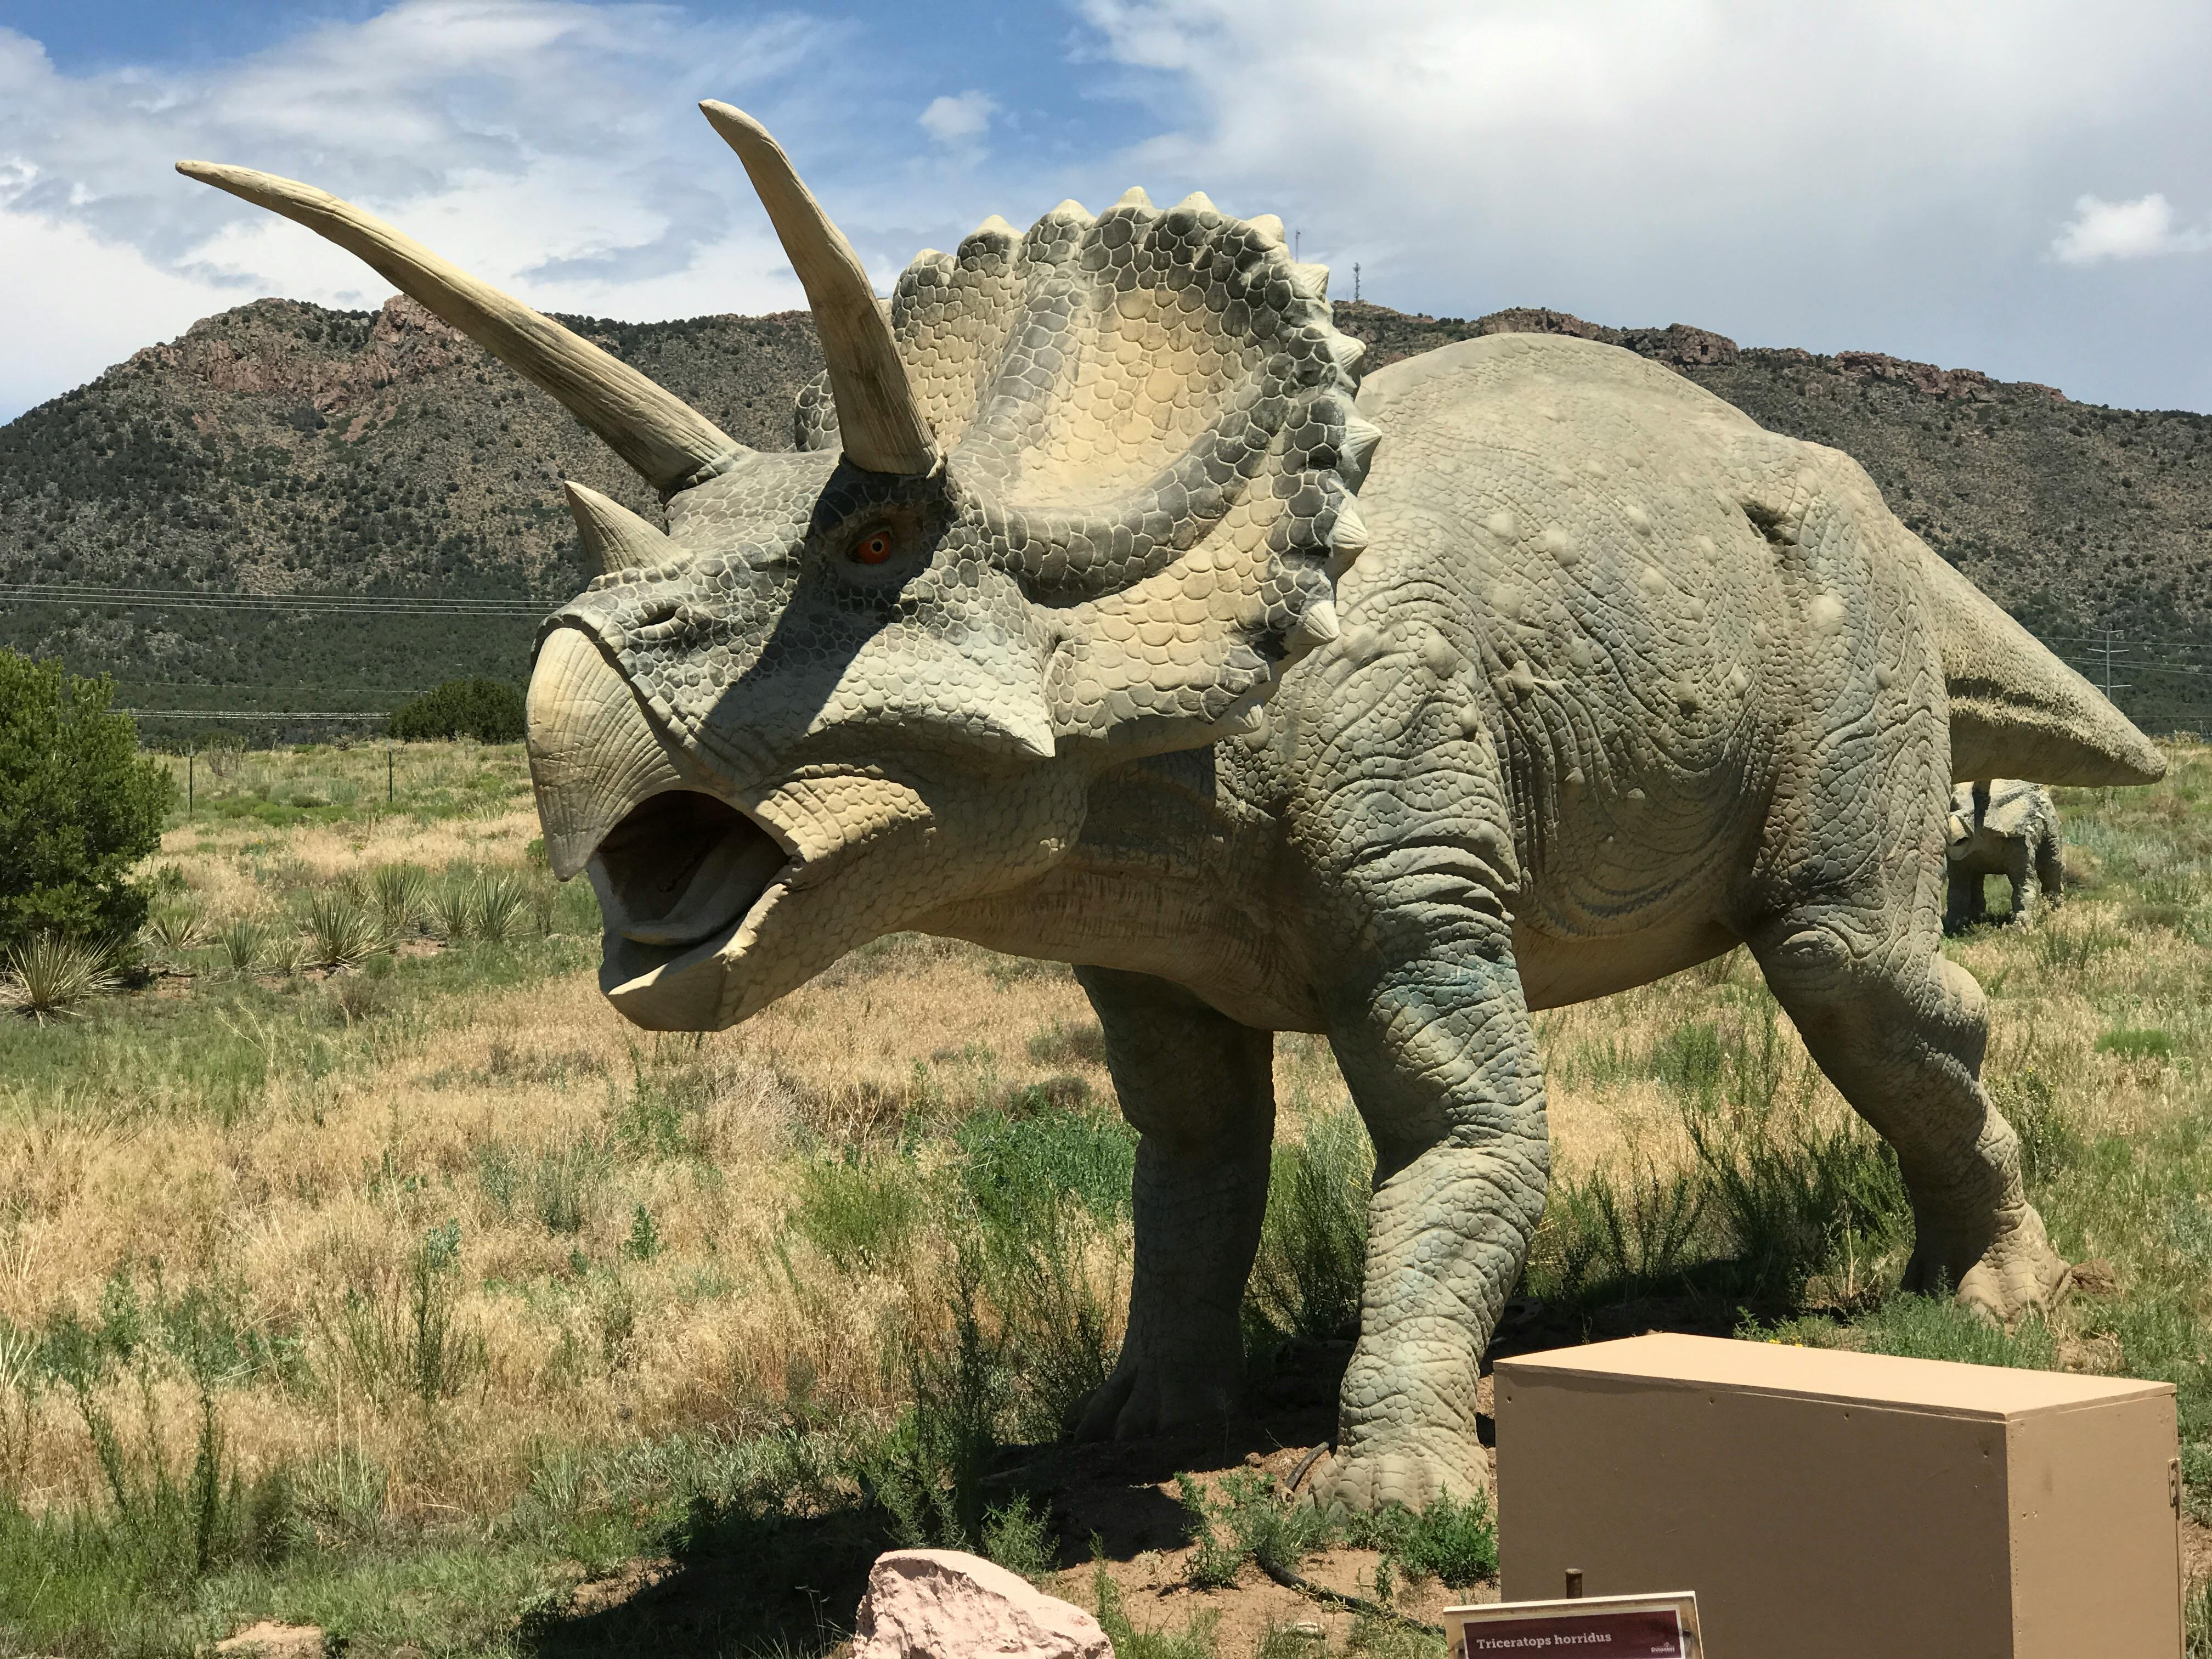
[[872, 548]]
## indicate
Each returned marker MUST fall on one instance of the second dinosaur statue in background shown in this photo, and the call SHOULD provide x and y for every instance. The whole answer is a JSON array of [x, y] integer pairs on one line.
[[2002, 827]]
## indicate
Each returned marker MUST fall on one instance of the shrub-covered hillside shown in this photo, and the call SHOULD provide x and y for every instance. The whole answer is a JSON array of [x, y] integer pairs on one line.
[[282, 448]]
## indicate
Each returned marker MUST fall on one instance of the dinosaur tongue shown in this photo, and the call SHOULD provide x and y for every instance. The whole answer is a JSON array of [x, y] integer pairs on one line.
[[721, 890]]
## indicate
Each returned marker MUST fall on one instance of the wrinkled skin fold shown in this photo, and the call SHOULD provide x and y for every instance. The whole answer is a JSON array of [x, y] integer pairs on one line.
[[1104, 615]]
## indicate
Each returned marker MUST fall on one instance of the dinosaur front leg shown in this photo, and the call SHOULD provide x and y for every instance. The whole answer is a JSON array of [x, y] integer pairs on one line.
[[2051, 866], [1199, 1089], [1441, 1059], [2020, 874]]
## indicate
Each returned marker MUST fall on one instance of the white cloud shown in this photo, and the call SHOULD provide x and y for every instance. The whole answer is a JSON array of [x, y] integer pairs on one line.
[[1869, 172], [959, 120], [2125, 230], [551, 146], [81, 325]]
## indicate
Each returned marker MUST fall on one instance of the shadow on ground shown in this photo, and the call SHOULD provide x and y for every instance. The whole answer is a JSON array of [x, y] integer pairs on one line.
[[743, 1583]]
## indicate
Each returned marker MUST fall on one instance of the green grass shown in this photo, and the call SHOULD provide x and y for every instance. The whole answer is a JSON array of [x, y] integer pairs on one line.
[[336, 785], [1748, 1202], [217, 1051]]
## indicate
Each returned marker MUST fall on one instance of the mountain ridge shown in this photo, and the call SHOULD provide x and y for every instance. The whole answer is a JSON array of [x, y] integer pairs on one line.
[[280, 447]]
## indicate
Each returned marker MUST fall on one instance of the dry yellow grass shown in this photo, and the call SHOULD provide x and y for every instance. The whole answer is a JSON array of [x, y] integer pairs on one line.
[[317, 1196]]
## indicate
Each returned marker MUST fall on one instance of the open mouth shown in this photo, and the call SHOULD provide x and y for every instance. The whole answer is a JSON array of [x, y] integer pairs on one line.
[[681, 868]]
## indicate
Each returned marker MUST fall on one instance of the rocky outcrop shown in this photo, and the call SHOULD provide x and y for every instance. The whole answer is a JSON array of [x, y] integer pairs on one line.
[[274, 348], [1968, 384]]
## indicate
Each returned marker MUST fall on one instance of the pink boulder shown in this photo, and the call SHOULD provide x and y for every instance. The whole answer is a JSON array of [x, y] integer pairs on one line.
[[940, 1604]]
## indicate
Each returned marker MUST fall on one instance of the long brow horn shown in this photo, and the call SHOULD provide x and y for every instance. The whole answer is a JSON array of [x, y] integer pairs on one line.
[[879, 419], [666, 439]]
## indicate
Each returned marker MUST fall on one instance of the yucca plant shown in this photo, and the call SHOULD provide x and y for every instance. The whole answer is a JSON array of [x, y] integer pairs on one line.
[[500, 904], [241, 942], [340, 932], [453, 909], [399, 890], [286, 952], [52, 974], [174, 926]]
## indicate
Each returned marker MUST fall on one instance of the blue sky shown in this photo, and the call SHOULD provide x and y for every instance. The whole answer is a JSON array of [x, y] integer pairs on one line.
[[2023, 187]]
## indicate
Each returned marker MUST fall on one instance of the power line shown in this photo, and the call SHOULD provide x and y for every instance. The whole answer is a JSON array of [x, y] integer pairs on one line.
[[258, 714], [192, 599]]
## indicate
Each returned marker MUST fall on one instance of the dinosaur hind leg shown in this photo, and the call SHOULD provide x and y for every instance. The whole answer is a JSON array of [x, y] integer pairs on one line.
[[1900, 1030], [1199, 1090]]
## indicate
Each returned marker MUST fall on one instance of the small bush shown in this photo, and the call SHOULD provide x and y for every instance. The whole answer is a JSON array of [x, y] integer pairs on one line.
[[167, 1522], [561, 1186], [1015, 1168], [2132, 1043], [2060, 948], [1043, 1191], [497, 907], [2049, 1141], [1311, 1269], [453, 907], [398, 1337], [858, 1211], [1454, 1543], [1245, 1521], [79, 807], [927, 1473], [487, 710], [1793, 1195], [1020, 1537], [1635, 1243]]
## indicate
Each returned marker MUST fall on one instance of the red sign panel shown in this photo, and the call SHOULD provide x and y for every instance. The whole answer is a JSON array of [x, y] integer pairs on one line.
[[1617, 1633]]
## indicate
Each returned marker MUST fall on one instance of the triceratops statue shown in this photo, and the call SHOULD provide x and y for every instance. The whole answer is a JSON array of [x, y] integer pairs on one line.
[[1089, 622]]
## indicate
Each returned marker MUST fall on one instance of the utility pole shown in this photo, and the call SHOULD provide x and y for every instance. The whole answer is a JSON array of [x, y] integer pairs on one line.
[[1297, 242], [388, 796], [2112, 651], [192, 759]]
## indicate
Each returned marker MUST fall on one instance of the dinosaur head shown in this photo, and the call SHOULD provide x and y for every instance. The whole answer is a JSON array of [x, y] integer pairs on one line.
[[1075, 495], [1958, 825]]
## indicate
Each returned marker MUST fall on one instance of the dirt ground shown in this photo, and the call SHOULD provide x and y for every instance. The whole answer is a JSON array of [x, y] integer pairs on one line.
[[1117, 1504]]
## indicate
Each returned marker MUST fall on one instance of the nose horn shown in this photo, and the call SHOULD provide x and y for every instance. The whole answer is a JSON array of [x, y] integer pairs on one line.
[[594, 754]]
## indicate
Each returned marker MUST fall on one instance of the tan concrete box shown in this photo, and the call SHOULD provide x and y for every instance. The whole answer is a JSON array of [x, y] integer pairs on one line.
[[1826, 1505]]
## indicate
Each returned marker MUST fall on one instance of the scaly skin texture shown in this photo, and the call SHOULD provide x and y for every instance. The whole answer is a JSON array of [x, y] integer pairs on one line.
[[1165, 671], [2003, 827]]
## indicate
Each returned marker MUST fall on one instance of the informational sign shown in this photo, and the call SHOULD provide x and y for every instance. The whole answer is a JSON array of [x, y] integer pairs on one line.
[[1601, 1626]]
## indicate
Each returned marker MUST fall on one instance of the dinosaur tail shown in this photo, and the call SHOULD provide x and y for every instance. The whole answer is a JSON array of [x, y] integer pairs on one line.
[[2016, 710]]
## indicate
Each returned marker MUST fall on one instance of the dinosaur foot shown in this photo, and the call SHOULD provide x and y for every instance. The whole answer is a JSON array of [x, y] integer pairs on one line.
[[1414, 1469], [2012, 1275], [1146, 1398]]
